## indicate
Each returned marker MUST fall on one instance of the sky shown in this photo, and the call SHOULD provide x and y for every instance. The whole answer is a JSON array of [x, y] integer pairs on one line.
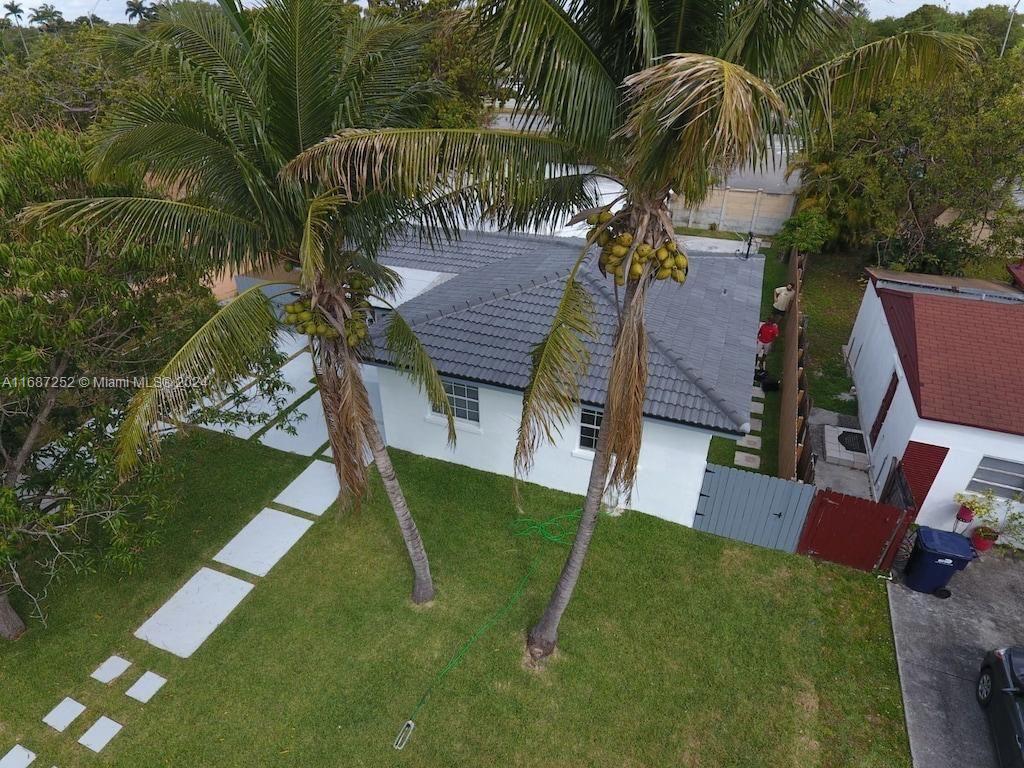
[[113, 10]]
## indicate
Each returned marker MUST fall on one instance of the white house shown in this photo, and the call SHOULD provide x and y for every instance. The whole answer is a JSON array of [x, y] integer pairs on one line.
[[938, 364], [489, 301]]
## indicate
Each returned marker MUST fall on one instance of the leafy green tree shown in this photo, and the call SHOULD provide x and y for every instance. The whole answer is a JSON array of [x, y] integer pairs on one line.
[[256, 90], [137, 9], [661, 97], [47, 18], [807, 231], [79, 319]]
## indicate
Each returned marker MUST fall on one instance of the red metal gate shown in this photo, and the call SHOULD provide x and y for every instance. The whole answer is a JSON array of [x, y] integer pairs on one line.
[[851, 531]]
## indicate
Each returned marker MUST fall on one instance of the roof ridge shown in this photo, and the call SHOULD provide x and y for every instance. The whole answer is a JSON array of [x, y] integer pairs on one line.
[[709, 391]]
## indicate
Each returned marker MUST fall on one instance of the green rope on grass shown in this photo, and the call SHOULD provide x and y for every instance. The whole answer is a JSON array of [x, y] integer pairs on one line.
[[557, 529]]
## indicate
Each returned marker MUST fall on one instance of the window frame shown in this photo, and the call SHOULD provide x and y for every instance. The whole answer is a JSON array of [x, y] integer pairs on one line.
[[461, 402], [598, 414], [1001, 489]]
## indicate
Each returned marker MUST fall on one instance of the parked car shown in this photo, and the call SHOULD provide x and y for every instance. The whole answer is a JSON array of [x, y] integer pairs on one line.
[[1000, 692]]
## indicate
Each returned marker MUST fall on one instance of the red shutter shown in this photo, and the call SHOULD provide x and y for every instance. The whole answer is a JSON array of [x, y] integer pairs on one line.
[[883, 409], [921, 465]]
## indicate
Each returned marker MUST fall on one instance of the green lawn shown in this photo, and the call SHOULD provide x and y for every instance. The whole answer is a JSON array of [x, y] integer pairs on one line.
[[723, 450], [680, 648], [833, 289], [718, 234]]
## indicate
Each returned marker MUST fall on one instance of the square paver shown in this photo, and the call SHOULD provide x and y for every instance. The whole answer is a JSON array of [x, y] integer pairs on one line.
[[750, 441], [310, 432], [146, 687], [184, 622], [756, 406], [747, 460], [755, 424], [18, 757], [265, 540], [757, 392], [314, 490], [61, 716], [100, 734], [111, 669]]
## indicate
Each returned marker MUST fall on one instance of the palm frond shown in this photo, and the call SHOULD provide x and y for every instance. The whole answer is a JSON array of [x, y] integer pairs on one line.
[[816, 95], [210, 237], [316, 235], [693, 117], [558, 361], [555, 67], [220, 352], [409, 355]]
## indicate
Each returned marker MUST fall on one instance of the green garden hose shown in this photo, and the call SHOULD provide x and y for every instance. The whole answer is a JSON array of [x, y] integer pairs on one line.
[[556, 529]]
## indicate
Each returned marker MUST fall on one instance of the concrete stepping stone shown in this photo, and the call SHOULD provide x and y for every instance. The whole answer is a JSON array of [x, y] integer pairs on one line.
[[183, 623], [146, 687], [756, 406], [310, 432], [265, 539], [758, 393], [111, 669], [61, 716], [296, 373], [750, 441], [747, 460], [314, 490], [17, 757], [755, 424], [100, 734]]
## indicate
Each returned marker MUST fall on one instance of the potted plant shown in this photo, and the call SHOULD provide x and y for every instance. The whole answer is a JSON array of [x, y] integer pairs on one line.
[[989, 524]]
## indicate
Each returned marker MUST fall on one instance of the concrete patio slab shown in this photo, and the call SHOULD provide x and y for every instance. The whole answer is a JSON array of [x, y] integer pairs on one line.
[[313, 491], [747, 460], [17, 757], [61, 716], [750, 441], [111, 669], [310, 432], [100, 734], [183, 623], [939, 647], [263, 541], [756, 406], [146, 687]]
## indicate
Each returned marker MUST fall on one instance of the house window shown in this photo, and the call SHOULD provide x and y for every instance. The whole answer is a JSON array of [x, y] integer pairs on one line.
[[590, 427], [1005, 478], [464, 400], [883, 409]]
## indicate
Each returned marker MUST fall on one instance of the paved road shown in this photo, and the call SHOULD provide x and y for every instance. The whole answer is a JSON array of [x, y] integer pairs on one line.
[[939, 645]]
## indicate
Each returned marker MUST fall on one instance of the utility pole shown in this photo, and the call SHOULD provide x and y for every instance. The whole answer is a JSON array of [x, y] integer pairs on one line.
[[1006, 37]]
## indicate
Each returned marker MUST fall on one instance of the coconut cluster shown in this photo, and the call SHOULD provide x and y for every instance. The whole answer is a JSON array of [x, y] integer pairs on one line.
[[308, 320], [666, 260]]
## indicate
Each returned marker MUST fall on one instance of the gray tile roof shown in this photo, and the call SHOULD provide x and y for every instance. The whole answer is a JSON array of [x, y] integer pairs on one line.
[[482, 324]]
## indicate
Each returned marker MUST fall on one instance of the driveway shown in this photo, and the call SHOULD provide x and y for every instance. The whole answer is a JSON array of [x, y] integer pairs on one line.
[[939, 645]]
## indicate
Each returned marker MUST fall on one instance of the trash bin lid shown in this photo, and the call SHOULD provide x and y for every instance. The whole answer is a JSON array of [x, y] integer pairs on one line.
[[945, 543]]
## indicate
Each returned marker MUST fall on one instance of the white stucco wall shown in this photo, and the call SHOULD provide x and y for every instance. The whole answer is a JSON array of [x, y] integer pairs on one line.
[[873, 358], [967, 447], [672, 457]]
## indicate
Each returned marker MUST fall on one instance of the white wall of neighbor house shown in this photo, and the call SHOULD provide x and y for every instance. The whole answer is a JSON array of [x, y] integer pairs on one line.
[[872, 359], [672, 457], [967, 447], [737, 210]]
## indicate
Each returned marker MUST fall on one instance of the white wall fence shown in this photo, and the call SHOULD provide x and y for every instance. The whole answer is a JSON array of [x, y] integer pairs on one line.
[[737, 210]]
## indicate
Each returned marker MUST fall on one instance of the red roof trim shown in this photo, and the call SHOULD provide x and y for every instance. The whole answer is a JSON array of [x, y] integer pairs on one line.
[[921, 465]]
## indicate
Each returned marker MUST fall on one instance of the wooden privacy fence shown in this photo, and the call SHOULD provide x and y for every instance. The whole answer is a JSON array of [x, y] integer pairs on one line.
[[852, 531], [795, 461]]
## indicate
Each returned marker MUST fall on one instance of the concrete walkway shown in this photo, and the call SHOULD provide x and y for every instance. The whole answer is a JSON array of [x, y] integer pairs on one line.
[[939, 647]]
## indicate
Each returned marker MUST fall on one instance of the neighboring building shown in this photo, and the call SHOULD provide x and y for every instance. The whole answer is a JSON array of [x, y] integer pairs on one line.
[[938, 364], [485, 301]]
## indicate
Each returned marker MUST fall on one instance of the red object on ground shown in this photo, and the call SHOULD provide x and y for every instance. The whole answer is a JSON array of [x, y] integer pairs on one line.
[[979, 542], [964, 515], [767, 333]]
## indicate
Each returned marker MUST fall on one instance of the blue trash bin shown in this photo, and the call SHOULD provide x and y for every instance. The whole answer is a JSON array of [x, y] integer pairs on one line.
[[936, 557]]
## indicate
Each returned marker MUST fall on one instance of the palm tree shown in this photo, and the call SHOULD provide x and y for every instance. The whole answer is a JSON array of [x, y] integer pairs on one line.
[[13, 10], [662, 97], [136, 9], [47, 17], [259, 89]]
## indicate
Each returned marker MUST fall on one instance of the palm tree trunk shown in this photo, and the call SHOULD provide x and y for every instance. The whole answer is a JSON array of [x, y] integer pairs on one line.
[[543, 638], [423, 583], [11, 625]]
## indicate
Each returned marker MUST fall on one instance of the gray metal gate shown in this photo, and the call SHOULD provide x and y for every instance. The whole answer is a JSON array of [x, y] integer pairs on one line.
[[757, 509]]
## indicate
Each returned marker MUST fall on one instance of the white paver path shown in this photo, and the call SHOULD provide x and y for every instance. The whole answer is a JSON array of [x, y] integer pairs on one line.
[[747, 460], [750, 441], [146, 687], [184, 622], [756, 406], [61, 716], [314, 490], [111, 669], [310, 433], [100, 734], [265, 539], [296, 373], [18, 757]]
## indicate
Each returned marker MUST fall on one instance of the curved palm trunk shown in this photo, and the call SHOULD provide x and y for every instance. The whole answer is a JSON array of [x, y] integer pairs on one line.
[[543, 638], [351, 428]]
